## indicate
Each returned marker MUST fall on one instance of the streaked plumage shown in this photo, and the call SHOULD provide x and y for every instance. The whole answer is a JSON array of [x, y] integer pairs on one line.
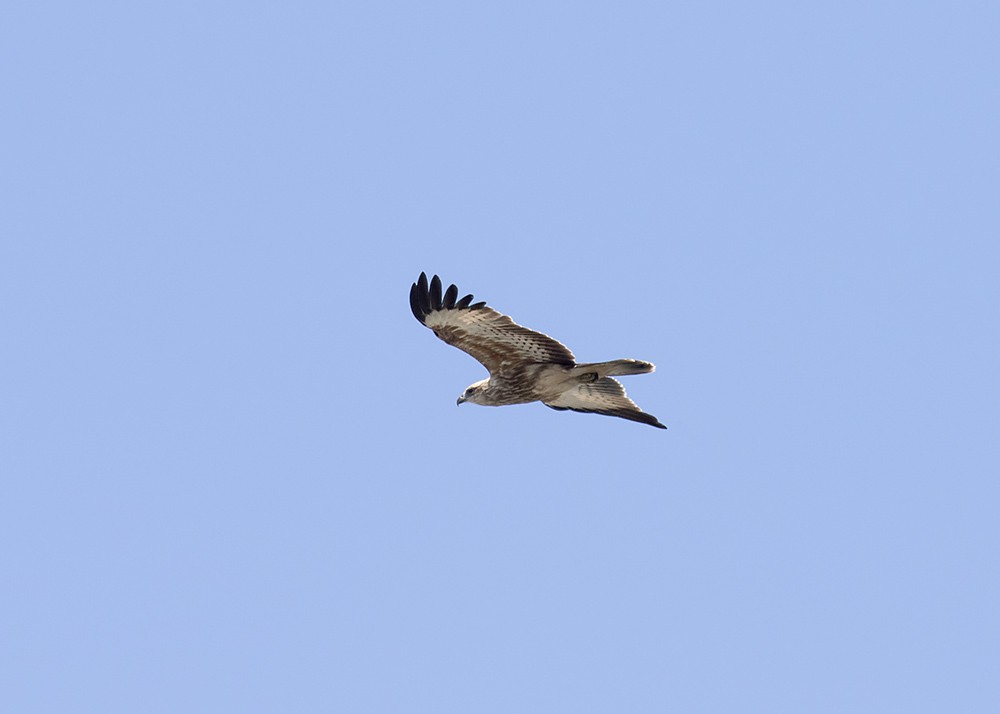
[[524, 365]]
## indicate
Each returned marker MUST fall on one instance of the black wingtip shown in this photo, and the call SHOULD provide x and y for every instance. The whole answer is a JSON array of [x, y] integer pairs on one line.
[[449, 297], [649, 419], [415, 303], [435, 293], [423, 295], [632, 415], [426, 297]]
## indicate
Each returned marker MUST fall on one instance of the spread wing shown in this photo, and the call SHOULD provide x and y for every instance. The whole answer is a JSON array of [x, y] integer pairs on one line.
[[492, 338], [604, 396]]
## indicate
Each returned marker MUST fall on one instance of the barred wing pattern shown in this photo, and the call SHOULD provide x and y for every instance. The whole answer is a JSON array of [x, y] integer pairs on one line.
[[494, 339], [605, 396]]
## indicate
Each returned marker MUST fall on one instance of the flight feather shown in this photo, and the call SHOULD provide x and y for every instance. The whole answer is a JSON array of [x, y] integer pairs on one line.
[[489, 336]]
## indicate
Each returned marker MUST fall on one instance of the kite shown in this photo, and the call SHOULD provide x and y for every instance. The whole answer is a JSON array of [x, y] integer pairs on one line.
[[524, 365]]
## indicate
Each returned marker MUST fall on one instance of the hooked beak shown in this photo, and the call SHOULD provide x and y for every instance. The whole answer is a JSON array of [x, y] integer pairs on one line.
[[460, 400]]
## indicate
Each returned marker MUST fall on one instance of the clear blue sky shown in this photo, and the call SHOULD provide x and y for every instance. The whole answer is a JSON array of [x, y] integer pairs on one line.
[[234, 478]]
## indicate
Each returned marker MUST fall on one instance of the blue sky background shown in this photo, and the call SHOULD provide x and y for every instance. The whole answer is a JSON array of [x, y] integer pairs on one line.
[[234, 477]]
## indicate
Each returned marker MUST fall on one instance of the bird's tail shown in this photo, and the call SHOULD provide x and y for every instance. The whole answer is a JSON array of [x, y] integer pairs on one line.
[[615, 367]]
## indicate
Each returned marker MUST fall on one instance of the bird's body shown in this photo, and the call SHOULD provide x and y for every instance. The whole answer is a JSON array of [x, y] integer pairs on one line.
[[525, 366]]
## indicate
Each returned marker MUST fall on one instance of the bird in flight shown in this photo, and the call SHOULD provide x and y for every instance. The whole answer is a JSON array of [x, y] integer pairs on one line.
[[524, 365]]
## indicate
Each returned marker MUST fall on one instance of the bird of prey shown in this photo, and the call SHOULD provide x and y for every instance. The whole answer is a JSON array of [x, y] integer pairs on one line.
[[524, 365]]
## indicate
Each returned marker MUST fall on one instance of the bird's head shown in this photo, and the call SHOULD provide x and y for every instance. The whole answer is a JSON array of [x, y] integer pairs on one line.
[[473, 392]]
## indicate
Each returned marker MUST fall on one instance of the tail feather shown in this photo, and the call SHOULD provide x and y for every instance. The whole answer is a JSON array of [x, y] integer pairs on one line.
[[616, 367]]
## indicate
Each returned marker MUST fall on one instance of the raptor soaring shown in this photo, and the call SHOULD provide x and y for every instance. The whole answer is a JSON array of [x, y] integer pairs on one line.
[[524, 365]]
